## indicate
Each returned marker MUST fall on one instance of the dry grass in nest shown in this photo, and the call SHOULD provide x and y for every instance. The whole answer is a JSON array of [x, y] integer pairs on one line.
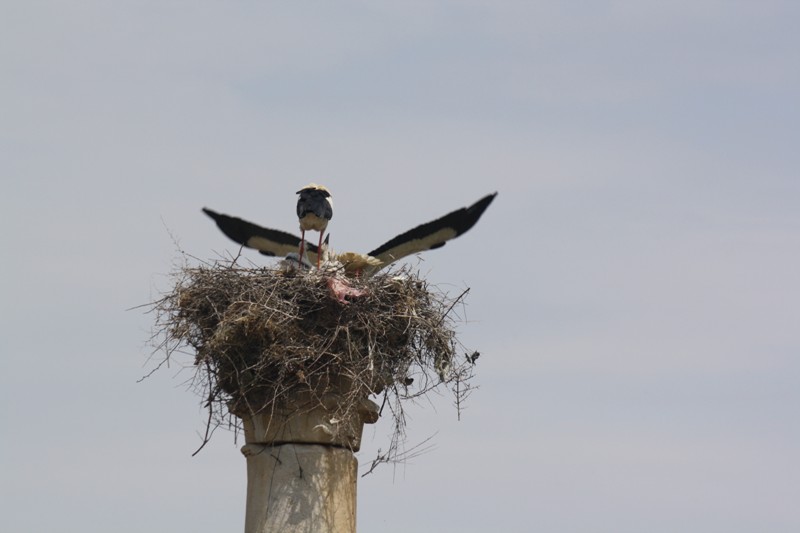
[[261, 335]]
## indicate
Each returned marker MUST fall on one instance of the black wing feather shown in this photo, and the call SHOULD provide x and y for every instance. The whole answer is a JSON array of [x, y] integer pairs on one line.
[[428, 236], [433, 234], [268, 241]]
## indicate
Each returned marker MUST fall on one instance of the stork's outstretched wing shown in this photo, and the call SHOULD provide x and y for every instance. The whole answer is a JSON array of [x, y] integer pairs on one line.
[[433, 234], [427, 236], [268, 241]]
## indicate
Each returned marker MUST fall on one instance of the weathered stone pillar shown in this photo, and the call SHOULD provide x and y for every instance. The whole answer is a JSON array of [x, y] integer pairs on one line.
[[301, 470]]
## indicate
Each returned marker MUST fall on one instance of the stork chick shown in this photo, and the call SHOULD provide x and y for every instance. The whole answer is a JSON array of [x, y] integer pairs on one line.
[[354, 263], [314, 209]]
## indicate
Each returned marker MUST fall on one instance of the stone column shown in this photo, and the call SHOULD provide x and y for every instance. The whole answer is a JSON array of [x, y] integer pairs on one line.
[[301, 469]]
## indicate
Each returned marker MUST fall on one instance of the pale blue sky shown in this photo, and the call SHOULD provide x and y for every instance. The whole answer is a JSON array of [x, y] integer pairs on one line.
[[634, 286]]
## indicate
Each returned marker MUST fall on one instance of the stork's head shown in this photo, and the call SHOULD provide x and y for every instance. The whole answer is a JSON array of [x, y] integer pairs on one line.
[[313, 188], [314, 207]]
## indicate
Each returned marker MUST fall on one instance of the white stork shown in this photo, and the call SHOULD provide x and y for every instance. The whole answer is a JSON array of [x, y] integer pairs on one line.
[[314, 209], [428, 236], [355, 263]]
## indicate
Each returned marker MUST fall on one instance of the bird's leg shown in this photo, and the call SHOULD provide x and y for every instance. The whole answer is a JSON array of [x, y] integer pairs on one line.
[[319, 248], [302, 244]]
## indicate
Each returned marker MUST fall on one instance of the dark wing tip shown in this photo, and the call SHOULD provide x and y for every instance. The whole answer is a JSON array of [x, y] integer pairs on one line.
[[457, 222], [267, 241], [469, 217], [234, 228], [209, 212]]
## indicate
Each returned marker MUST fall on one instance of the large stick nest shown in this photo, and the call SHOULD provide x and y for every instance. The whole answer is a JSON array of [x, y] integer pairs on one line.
[[260, 335]]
